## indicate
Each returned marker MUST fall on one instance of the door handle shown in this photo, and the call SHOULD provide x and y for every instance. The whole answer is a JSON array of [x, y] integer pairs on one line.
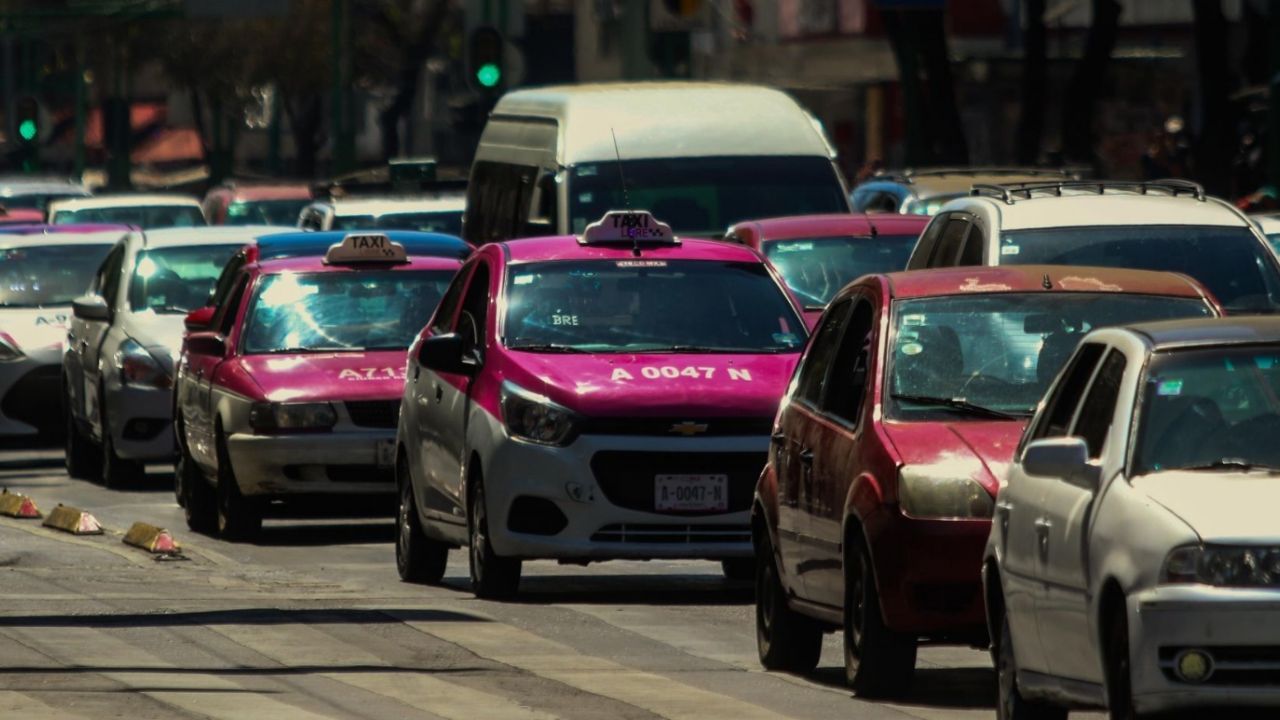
[[199, 373], [439, 392], [806, 456], [778, 438], [1042, 527]]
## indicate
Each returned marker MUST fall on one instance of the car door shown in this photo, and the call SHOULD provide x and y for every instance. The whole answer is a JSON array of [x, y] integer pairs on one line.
[[1064, 520], [793, 462], [836, 443], [78, 331], [196, 393], [92, 334], [1019, 511]]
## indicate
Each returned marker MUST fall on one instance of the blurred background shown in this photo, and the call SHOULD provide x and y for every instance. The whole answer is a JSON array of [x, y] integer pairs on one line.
[[185, 93]]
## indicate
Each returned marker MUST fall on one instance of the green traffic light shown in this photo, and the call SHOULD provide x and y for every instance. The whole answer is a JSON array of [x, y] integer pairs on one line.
[[489, 75], [27, 129]]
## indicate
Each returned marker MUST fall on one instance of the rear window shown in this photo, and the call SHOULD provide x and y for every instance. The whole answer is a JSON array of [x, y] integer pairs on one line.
[[176, 279], [143, 216], [816, 268], [50, 275]]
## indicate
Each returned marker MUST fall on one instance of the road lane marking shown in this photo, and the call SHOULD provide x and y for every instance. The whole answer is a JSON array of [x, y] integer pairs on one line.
[[20, 705], [235, 706], [440, 697], [293, 644]]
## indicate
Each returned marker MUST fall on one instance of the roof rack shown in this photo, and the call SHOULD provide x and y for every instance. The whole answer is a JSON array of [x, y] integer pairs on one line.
[[980, 170], [1012, 192]]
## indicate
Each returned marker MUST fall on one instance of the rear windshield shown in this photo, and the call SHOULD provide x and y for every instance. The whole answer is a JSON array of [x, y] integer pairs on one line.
[[816, 268], [642, 305], [342, 311], [1236, 268], [52, 275], [265, 212], [448, 222], [36, 201], [143, 216], [704, 195], [176, 279]]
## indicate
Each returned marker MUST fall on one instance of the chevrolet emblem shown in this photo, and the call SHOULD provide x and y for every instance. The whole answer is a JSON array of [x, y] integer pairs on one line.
[[688, 428]]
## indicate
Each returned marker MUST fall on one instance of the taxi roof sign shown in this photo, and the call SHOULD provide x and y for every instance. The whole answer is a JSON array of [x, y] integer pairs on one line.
[[628, 226], [365, 248]]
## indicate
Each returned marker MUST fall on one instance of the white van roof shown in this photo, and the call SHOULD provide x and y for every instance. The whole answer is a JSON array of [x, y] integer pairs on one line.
[[666, 119]]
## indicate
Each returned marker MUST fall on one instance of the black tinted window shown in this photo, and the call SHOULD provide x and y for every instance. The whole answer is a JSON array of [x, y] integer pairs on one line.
[[1099, 407], [1066, 396], [816, 364]]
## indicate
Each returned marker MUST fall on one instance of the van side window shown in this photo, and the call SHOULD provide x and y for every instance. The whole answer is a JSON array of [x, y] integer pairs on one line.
[[498, 201], [971, 254], [948, 250], [927, 242], [544, 207], [847, 384]]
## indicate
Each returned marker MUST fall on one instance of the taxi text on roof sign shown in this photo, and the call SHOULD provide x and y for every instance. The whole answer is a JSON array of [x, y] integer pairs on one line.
[[628, 226], [365, 248]]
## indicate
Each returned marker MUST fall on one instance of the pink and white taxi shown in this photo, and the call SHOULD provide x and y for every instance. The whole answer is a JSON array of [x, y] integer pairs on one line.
[[592, 397], [293, 388]]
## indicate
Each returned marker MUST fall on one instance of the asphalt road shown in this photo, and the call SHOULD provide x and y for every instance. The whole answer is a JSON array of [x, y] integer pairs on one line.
[[312, 622]]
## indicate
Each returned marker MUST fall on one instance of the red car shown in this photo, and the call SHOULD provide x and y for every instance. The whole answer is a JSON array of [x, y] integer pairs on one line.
[[233, 204], [874, 508], [819, 254]]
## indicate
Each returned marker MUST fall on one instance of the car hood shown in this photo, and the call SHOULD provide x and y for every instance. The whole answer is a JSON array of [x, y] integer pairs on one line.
[[978, 449], [36, 329], [659, 384], [1221, 507], [328, 376]]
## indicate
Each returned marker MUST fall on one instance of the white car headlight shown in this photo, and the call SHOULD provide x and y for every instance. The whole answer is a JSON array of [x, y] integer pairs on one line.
[[532, 417], [923, 494], [139, 368], [1223, 566], [292, 417]]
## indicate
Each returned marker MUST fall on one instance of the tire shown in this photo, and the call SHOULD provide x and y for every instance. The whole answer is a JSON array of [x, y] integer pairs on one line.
[[82, 458], [419, 559], [1119, 676], [878, 662], [116, 472], [179, 492], [785, 639], [493, 577], [1010, 704], [199, 502], [239, 518], [739, 569]]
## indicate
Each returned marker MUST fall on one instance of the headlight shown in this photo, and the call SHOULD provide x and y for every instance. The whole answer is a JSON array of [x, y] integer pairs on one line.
[[925, 495], [139, 368], [292, 417], [532, 417], [9, 351], [1223, 566]]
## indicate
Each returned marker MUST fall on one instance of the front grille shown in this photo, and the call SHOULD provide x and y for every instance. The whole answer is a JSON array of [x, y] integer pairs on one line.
[[374, 413], [672, 534], [678, 426], [33, 399], [1238, 665], [627, 477]]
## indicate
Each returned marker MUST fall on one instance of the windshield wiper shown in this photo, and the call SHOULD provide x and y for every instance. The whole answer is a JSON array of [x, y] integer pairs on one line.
[[170, 309], [1231, 463], [962, 405], [547, 348], [299, 350]]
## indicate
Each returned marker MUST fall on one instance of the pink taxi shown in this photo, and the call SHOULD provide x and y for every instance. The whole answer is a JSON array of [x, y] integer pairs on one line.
[[592, 398], [293, 389]]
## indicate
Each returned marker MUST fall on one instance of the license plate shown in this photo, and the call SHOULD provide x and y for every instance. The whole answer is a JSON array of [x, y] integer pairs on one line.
[[690, 493], [386, 453]]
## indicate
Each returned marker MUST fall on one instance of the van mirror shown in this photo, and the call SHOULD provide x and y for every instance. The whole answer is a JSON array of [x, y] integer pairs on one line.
[[1065, 458]]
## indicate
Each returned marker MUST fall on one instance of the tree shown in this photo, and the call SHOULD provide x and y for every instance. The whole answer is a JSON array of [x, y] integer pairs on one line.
[[1034, 78], [935, 133], [1215, 141], [1081, 100]]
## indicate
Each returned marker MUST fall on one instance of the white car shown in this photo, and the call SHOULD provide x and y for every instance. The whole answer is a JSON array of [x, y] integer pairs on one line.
[[1269, 225], [117, 371], [25, 191], [429, 213], [1168, 225], [39, 277], [1134, 556], [144, 211]]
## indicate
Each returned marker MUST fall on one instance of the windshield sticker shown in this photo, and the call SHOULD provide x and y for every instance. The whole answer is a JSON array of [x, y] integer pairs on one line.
[[913, 319], [585, 171], [794, 247], [1262, 362], [523, 279], [585, 197], [641, 263], [1169, 387], [364, 374], [912, 348], [1010, 250], [788, 339], [671, 372], [570, 320]]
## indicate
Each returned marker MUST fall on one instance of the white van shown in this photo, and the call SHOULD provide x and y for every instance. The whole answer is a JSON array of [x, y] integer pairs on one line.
[[701, 156]]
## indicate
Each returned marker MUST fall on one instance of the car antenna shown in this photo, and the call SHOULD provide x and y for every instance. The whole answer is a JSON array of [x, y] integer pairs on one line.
[[626, 198]]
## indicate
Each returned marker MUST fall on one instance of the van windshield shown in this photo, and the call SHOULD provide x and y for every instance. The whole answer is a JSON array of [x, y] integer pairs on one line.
[[704, 195]]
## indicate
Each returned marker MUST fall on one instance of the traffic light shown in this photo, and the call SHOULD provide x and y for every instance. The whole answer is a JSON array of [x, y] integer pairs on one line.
[[26, 123], [486, 58]]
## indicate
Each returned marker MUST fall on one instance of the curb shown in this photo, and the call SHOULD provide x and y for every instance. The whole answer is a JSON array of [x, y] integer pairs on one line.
[[18, 506], [73, 520], [154, 540]]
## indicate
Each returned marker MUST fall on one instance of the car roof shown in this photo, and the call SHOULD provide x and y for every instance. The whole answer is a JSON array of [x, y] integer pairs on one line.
[[1031, 278], [122, 200], [297, 243], [567, 247], [804, 226], [44, 229], [101, 237], [1208, 332], [665, 119], [210, 235], [445, 202], [1079, 204]]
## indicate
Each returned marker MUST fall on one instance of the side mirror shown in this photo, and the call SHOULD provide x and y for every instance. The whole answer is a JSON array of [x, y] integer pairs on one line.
[[199, 318], [1066, 458], [446, 353], [206, 343], [90, 307]]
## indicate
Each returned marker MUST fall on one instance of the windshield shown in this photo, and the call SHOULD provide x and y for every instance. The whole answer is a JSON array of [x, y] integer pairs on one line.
[[704, 195], [265, 212], [448, 222], [51, 275], [36, 201], [816, 268], [1210, 407], [176, 279], [143, 216], [649, 305], [1000, 351], [342, 311], [1236, 268]]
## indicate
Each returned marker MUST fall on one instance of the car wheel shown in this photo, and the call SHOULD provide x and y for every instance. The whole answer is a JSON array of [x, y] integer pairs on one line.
[[239, 518], [1119, 676], [116, 472], [785, 639], [878, 662], [1010, 703], [492, 577], [419, 559], [739, 569], [199, 502], [82, 458]]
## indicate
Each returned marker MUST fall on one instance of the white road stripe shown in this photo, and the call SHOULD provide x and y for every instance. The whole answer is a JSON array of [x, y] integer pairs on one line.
[[18, 705], [441, 697], [235, 706]]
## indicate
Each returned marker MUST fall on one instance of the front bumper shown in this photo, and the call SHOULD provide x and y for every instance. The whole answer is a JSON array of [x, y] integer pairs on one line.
[[141, 422], [1240, 628], [346, 462], [595, 499], [30, 394]]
